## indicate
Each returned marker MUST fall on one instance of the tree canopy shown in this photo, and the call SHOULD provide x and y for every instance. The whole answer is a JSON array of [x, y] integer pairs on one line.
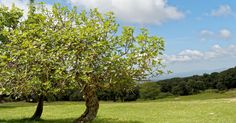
[[58, 48]]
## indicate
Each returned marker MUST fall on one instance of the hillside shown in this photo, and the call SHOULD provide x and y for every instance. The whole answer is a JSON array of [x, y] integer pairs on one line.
[[194, 84]]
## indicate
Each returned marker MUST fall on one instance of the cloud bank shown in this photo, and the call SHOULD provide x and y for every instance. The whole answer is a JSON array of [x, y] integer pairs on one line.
[[223, 34], [215, 52], [137, 11]]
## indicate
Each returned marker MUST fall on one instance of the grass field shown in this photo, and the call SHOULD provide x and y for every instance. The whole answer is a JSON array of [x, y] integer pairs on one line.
[[189, 109]]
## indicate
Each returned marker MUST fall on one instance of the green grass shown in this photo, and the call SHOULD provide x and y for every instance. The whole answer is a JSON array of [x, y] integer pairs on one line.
[[209, 94], [188, 109]]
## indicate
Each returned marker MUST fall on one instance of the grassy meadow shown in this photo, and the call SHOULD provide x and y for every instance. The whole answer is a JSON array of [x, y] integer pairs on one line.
[[202, 108]]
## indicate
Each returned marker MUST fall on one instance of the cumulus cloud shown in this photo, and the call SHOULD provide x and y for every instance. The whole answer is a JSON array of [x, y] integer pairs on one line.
[[138, 11], [223, 10], [216, 51], [223, 34]]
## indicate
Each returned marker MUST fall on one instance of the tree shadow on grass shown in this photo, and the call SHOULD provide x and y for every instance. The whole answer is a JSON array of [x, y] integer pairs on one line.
[[66, 120], [27, 120]]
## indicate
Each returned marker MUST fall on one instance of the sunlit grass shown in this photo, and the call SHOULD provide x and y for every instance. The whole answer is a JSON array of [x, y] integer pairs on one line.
[[188, 109], [209, 94]]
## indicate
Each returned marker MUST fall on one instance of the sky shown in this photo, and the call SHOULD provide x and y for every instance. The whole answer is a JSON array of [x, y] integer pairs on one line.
[[200, 35]]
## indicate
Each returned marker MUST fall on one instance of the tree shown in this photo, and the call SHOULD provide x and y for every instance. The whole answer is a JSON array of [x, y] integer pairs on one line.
[[62, 48], [182, 88], [9, 19], [108, 58], [195, 86], [32, 56]]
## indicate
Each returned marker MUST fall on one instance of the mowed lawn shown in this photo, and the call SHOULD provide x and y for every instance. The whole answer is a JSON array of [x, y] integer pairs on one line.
[[174, 110]]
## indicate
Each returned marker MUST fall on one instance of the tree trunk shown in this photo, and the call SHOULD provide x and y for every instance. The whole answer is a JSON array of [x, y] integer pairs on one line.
[[92, 105], [39, 109], [114, 98], [1, 99]]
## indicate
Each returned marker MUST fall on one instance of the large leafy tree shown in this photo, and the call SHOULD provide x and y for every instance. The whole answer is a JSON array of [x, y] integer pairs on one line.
[[101, 57], [61, 48], [32, 58], [9, 20]]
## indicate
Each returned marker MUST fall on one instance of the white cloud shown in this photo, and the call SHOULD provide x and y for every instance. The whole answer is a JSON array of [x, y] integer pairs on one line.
[[138, 11], [223, 10], [206, 34], [223, 34], [22, 4], [216, 51], [191, 53]]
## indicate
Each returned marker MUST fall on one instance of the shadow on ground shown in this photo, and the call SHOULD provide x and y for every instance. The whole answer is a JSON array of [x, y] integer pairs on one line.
[[68, 120]]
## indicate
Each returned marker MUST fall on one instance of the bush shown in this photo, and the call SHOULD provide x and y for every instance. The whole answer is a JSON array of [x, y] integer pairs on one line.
[[149, 90]]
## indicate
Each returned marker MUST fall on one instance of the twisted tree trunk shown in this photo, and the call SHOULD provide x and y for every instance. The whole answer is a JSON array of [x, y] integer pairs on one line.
[[39, 109], [92, 105]]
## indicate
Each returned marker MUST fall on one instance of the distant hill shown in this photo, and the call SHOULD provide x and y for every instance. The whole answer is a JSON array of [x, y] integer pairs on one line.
[[189, 73], [194, 84]]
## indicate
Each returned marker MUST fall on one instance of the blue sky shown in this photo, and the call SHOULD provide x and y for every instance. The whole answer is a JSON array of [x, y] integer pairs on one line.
[[199, 34]]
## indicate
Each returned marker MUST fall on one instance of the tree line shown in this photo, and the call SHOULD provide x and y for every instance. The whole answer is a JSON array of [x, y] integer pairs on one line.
[[221, 81], [194, 84]]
